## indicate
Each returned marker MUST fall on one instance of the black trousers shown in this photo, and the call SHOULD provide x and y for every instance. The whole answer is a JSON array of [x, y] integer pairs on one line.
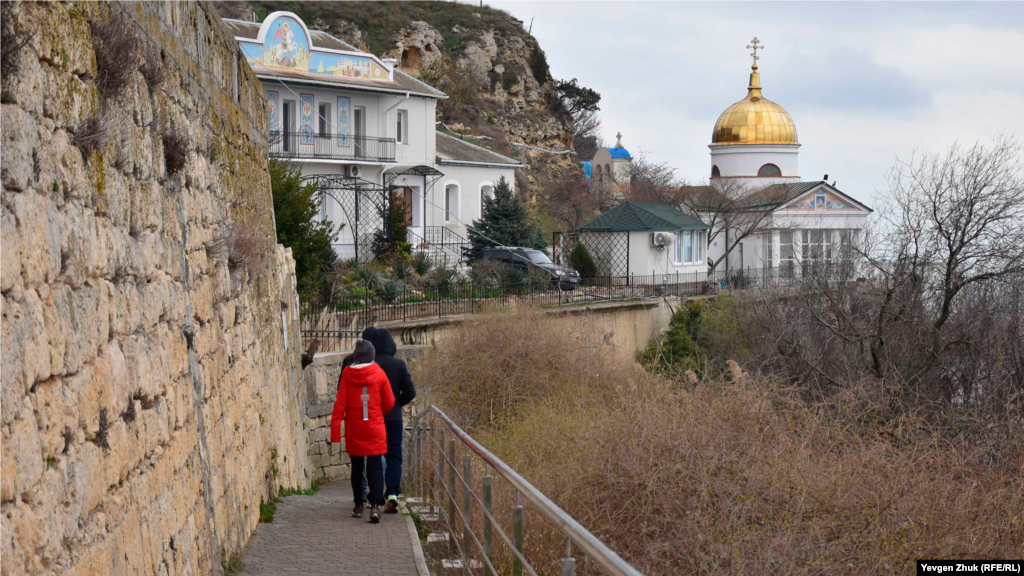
[[374, 478], [393, 459]]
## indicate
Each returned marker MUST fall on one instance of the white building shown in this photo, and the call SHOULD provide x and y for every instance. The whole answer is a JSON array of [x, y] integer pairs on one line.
[[364, 132], [610, 168], [755, 162]]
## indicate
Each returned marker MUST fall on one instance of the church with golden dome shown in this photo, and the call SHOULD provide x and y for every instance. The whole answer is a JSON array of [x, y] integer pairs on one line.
[[763, 214]]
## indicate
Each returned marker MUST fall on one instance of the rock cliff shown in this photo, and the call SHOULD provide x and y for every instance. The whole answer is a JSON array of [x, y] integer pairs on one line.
[[151, 356]]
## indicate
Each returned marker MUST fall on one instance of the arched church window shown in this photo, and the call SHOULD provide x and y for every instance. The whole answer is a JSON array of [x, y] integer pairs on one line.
[[715, 172], [597, 172], [608, 170], [769, 170]]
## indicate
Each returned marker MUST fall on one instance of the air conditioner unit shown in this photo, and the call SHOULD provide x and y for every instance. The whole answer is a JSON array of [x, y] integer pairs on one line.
[[661, 239], [353, 171]]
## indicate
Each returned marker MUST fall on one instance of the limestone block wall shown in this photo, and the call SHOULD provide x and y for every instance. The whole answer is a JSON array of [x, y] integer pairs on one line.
[[329, 461], [152, 394]]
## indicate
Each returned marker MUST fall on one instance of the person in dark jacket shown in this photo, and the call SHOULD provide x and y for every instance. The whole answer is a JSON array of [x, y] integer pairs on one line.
[[404, 391]]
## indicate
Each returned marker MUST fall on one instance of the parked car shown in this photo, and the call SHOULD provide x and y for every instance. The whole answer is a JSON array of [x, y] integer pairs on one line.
[[526, 258]]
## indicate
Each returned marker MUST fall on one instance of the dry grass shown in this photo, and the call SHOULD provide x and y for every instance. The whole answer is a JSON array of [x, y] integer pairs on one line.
[[116, 46], [243, 247], [176, 149], [747, 477], [92, 133]]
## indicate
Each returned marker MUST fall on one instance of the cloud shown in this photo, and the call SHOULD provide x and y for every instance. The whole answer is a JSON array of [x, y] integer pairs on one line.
[[846, 78]]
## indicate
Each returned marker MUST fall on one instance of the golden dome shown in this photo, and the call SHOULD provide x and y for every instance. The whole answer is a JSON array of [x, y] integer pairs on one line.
[[754, 120]]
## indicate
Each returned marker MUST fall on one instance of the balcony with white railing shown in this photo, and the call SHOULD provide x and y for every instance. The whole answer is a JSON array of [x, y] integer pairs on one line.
[[315, 146]]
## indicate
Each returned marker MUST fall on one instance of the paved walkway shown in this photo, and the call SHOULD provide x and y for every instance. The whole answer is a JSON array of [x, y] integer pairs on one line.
[[317, 535]]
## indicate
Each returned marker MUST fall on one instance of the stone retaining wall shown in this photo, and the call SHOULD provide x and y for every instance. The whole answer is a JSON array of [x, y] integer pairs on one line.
[[151, 383], [329, 461]]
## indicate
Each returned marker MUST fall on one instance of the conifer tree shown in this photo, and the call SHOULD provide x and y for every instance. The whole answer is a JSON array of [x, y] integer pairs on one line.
[[505, 222]]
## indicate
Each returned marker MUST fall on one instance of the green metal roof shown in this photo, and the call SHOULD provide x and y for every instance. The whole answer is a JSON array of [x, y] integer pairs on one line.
[[643, 216]]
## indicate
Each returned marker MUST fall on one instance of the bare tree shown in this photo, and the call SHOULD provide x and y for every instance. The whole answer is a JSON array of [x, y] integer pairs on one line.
[[586, 135], [731, 208], [957, 219], [650, 180], [571, 199]]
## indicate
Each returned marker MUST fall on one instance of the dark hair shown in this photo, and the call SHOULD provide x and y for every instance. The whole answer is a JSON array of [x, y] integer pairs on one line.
[[363, 353]]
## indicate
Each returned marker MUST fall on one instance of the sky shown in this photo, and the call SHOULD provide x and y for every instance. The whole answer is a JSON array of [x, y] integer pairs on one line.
[[865, 82]]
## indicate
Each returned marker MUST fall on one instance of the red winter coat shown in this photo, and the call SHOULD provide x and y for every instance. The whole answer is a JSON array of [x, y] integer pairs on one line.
[[362, 437]]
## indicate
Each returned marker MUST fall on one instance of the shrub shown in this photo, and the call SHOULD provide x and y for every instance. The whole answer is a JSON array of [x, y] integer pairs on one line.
[[581, 261], [422, 263], [176, 149], [539, 65], [92, 133], [750, 476], [390, 290], [152, 69], [296, 213], [116, 46], [443, 280]]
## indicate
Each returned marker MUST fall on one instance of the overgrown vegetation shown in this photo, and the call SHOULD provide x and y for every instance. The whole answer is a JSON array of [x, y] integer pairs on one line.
[[581, 261], [743, 474], [296, 213], [92, 133], [176, 148], [116, 46]]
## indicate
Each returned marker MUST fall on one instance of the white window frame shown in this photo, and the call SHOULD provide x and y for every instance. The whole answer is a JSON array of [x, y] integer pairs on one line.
[[447, 207], [402, 127], [677, 250], [484, 184]]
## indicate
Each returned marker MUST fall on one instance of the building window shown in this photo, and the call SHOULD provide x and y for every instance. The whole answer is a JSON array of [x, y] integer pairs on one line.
[[769, 170], [715, 172], [486, 191], [787, 256], [402, 127], [597, 173], [325, 113], [688, 246], [451, 202], [698, 246], [677, 252]]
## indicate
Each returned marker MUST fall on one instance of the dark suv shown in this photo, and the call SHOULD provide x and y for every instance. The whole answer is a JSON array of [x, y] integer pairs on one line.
[[526, 258]]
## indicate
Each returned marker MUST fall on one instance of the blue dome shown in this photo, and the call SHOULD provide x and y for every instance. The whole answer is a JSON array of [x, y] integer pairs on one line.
[[619, 153]]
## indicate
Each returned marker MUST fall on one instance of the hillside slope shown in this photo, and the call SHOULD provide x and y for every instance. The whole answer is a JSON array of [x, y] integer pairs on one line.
[[494, 71]]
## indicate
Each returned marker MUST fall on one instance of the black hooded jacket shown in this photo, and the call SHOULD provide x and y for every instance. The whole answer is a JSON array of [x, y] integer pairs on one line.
[[395, 368]]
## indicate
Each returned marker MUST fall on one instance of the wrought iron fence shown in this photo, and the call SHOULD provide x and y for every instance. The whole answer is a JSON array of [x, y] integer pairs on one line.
[[390, 301], [315, 145], [435, 443]]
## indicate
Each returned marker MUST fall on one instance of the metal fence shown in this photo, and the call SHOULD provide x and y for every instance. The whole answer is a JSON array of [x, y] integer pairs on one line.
[[444, 492], [333, 321]]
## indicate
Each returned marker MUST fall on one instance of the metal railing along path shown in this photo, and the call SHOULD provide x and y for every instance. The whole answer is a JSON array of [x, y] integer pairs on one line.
[[429, 430]]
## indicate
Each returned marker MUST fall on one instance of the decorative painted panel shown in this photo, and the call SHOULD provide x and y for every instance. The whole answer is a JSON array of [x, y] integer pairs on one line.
[[344, 123], [285, 45], [306, 119], [820, 200], [272, 110]]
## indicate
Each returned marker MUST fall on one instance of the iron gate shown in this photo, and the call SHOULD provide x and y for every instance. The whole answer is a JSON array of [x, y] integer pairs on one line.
[[365, 208]]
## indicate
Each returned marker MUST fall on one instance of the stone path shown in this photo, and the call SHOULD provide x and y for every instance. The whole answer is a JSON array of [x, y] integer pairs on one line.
[[317, 535]]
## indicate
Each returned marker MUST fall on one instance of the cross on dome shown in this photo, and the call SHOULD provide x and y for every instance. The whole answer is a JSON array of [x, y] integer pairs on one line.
[[618, 144], [754, 44]]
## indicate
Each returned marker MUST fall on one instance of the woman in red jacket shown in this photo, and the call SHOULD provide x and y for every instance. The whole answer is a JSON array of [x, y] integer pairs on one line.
[[364, 396]]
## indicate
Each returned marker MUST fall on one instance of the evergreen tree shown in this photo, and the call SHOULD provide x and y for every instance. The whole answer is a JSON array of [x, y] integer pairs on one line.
[[504, 222], [296, 208]]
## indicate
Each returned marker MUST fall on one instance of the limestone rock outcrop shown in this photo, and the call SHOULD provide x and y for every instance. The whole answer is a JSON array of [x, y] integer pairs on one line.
[[150, 382]]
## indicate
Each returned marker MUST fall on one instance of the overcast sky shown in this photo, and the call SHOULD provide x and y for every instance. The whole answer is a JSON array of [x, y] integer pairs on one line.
[[863, 81]]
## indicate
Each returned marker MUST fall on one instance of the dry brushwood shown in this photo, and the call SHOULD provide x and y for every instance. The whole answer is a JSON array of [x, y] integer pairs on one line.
[[176, 150], [116, 47], [152, 68], [92, 133]]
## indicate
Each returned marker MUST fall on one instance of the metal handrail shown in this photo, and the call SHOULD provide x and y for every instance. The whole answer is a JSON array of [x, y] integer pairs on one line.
[[601, 554]]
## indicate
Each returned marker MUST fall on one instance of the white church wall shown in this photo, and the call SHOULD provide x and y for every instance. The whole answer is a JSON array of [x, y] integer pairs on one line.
[[470, 180], [746, 159]]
